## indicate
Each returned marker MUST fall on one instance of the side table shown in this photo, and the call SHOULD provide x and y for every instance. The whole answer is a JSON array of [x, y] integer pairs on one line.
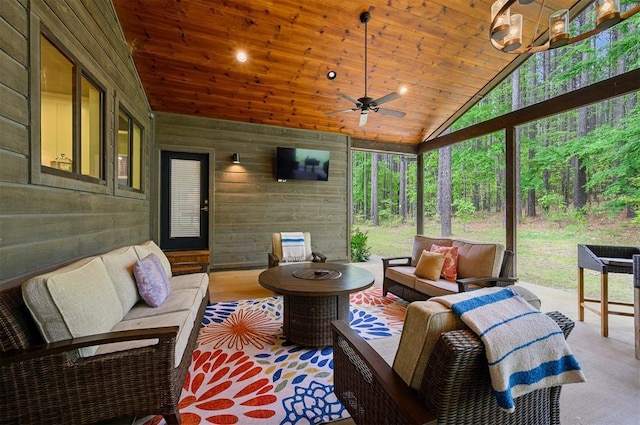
[[191, 261]]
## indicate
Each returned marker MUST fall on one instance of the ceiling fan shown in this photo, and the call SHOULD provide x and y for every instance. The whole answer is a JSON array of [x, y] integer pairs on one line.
[[365, 104]]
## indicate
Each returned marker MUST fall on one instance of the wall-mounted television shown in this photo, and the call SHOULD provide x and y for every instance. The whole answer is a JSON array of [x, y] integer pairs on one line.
[[302, 164]]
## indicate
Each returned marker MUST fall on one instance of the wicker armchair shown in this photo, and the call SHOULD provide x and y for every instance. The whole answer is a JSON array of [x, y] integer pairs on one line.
[[454, 388]]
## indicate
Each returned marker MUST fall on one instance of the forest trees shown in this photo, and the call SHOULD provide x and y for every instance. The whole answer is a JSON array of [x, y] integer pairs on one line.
[[579, 161]]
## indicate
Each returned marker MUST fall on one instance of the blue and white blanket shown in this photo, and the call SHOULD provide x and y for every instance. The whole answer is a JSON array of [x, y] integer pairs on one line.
[[526, 350], [292, 246]]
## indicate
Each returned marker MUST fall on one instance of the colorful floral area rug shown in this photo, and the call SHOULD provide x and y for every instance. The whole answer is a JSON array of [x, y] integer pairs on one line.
[[245, 372]]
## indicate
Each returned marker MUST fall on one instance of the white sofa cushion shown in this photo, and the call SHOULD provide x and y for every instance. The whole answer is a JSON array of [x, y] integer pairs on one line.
[[119, 264], [74, 301], [198, 281], [180, 300], [183, 319], [150, 247]]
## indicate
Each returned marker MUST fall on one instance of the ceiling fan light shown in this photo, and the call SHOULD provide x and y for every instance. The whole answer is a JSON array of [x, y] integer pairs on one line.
[[513, 39], [559, 28], [607, 13], [501, 23], [241, 56]]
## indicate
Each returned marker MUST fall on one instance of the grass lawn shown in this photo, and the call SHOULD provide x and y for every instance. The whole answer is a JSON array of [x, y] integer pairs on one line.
[[546, 250]]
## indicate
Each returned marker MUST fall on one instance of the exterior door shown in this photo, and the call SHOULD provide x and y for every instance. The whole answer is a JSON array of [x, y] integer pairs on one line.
[[184, 201]]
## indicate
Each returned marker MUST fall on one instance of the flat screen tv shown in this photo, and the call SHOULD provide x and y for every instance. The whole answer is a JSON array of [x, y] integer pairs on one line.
[[302, 164]]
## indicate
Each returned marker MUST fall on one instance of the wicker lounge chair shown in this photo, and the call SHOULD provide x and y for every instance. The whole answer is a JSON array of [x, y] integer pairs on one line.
[[453, 388]]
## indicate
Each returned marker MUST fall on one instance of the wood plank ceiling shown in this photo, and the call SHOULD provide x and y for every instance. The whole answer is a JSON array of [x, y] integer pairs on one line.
[[439, 50]]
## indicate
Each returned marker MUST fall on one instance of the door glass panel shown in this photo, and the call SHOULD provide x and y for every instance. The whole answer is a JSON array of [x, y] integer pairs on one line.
[[184, 210]]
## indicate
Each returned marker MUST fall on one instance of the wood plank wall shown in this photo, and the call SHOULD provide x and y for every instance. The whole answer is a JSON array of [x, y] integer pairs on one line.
[[248, 203], [41, 225]]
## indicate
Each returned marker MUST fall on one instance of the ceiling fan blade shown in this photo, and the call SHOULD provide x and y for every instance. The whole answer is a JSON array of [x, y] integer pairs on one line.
[[349, 98], [340, 112], [363, 118], [387, 98], [391, 112]]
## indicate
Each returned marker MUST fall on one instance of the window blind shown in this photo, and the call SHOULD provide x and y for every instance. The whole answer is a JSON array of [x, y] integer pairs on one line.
[[184, 209]]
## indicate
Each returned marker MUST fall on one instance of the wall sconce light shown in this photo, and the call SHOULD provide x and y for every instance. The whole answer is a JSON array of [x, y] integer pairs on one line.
[[235, 158]]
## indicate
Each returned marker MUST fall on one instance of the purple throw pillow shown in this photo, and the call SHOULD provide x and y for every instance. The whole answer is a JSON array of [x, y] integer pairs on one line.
[[152, 282]]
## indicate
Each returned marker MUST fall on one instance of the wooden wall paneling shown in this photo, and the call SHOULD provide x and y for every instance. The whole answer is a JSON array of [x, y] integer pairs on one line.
[[42, 225], [14, 13], [14, 43], [64, 226], [25, 259], [248, 203], [15, 75], [14, 136], [13, 106], [15, 168]]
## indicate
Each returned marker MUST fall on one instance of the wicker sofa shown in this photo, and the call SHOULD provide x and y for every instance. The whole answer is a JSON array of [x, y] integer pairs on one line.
[[78, 346], [479, 264], [435, 373]]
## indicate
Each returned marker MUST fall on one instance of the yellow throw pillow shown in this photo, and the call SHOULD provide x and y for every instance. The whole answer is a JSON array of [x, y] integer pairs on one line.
[[430, 265]]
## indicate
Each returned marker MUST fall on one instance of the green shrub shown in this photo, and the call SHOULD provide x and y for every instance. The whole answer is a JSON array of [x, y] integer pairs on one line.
[[465, 211], [360, 250]]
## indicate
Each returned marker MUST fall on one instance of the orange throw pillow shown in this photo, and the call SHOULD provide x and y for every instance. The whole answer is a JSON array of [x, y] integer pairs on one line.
[[449, 269], [430, 265]]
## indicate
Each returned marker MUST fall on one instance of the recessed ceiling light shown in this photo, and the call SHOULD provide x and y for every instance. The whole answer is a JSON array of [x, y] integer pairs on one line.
[[403, 89], [241, 56], [331, 75]]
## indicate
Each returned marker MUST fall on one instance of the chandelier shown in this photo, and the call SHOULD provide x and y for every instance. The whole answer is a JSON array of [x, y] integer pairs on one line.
[[506, 28]]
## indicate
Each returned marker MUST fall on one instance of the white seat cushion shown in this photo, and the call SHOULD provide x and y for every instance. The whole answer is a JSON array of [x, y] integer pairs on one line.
[[182, 319], [188, 299], [194, 280], [402, 274]]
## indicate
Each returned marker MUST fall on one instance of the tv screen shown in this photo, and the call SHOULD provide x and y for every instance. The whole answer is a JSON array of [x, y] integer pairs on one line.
[[302, 164]]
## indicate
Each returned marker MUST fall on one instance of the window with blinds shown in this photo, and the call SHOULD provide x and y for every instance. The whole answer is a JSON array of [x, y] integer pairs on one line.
[[184, 209]]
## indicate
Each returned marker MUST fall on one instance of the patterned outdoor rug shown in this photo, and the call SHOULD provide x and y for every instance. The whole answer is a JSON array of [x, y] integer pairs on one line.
[[244, 372]]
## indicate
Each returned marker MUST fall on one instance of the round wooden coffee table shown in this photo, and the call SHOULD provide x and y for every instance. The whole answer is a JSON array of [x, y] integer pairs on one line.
[[314, 294]]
